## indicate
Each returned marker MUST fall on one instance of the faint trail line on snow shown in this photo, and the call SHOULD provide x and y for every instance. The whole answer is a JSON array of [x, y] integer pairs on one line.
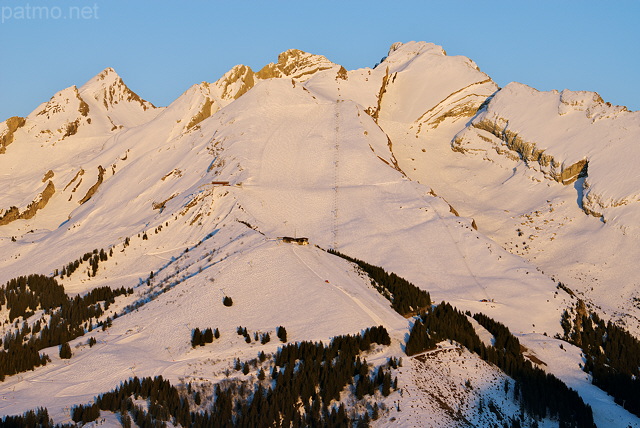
[[354, 299], [335, 175], [455, 243], [115, 139]]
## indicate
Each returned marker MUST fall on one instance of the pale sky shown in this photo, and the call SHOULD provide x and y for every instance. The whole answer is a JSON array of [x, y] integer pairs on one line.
[[160, 48]]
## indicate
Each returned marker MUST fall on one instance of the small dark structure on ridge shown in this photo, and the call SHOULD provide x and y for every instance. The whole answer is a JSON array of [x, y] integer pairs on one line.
[[299, 241]]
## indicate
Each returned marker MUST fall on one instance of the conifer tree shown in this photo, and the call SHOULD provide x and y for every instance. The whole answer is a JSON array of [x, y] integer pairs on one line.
[[65, 351], [282, 334], [196, 337], [386, 384]]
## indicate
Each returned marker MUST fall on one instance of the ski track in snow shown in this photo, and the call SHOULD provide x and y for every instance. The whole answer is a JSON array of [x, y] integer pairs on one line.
[[377, 320]]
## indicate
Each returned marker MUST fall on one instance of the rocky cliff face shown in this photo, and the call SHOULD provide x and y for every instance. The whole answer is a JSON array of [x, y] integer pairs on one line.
[[236, 82], [425, 86], [527, 151], [8, 128], [39, 202], [295, 64], [564, 135], [202, 101], [108, 89]]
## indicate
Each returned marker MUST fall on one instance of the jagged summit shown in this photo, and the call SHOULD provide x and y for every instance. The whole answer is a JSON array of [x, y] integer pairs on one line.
[[102, 105], [236, 82], [201, 101], [108, 88], [415, 48], [107, 74], [296, 64], [403, 54], [51, 121], [67, 100]]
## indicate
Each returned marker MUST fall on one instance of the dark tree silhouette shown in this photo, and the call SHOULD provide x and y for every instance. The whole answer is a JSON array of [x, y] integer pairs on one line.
[[281, 332], [405, 297], [65, 351]]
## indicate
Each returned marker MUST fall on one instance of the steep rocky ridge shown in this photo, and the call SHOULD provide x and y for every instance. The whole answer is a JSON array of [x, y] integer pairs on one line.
[[8, 128], [295, 64], [14, 213], [61, 136], [205, 99], [529, 167], [425, 85], [559, 134]]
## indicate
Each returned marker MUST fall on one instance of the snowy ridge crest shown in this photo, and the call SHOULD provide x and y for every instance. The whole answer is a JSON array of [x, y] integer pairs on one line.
[[566, 135], [296, 64]]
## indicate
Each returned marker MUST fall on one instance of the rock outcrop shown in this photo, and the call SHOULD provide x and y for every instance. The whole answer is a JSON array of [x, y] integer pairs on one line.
[[296, 64], [38, 203], [565, 135], [93, 189], [10, 126], [527, 151], [108, 89]]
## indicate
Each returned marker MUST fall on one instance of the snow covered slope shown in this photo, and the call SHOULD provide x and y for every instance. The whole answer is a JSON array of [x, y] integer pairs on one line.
[[544, 174], [193, 198], [567, 135]]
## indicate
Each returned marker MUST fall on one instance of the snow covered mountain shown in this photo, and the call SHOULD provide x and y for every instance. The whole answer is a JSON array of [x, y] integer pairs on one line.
[[484, 197]]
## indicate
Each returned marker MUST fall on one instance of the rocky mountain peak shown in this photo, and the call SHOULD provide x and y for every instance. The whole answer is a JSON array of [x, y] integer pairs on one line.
[[66, 100], [296, 64], [108, 88], [236, 82]]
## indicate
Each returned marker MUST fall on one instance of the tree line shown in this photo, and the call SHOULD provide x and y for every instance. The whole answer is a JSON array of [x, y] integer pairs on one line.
[[93, 257], [201, 338], [69, 318], [26, 294], [307, 379], [612, 355], [540, 394], [38, 418], [165, 404], [405, 297]]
